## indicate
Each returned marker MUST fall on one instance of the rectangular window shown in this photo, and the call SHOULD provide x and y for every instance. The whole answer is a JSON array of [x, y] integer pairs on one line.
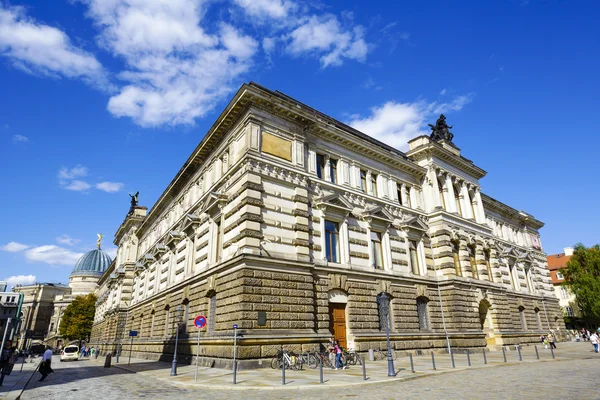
[[218, 241], [523, 319], [569, 311], [456, 259], [377, 250], [559, 276], [408, 201], [332, 241], [320, 166], [414, 258], [167, 322], [538, 319], [374, 185], [212, 312], [400, 194], [473, 262], [333, 170], [186, 316], [363, 180], [423, 314]]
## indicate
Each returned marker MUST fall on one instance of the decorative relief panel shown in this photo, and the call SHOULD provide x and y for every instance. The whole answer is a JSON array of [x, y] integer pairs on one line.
[[276, 146]]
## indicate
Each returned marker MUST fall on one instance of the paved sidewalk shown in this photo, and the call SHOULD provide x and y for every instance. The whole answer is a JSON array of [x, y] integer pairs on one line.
[[213, 378], [15, 382]]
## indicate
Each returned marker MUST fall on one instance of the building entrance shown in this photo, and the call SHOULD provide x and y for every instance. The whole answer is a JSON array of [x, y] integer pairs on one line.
[[337, 316]]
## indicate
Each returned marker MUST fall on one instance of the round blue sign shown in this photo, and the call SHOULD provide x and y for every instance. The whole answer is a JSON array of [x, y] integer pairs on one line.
[[200, 321]]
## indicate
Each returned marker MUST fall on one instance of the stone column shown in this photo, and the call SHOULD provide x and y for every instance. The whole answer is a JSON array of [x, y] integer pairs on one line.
[[344, 243], [479, 206], [327, 174], [312, 161], [301, 233], [466, 201], [369, 243], [404, 195], [451, 199], [436, 190]]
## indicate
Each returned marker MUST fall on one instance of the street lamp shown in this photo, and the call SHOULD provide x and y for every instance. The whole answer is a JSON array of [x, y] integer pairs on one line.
[[178, 315], [383, 301], [119, 336]]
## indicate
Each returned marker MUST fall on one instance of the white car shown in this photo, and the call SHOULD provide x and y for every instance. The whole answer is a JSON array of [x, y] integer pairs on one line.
[[69, 353]]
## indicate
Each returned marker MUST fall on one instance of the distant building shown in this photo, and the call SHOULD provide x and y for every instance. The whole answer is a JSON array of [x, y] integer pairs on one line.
[[44, 303], [9, 303]]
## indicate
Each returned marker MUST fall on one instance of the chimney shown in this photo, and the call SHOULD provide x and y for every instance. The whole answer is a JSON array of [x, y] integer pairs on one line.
[[568, 251]]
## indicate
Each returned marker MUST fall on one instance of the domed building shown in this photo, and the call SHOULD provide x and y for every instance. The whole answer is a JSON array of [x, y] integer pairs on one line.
[[44, 303]]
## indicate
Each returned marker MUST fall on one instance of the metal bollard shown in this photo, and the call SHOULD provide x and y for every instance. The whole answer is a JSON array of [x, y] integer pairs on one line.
[[235, 372], [519, 351], [107, 361], [504, 353], [321, 372], [412, 366], [283, 369], [552, 351], [484, 357], [537, 354], [432, 361], [452, 357], [468, 358], [364, 365]]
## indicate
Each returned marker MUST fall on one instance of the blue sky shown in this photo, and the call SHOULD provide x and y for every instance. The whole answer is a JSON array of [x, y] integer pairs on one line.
[[100, 98]]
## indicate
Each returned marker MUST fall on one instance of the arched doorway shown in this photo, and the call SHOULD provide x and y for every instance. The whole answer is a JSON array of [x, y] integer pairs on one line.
[[338, 300], [486, 322]]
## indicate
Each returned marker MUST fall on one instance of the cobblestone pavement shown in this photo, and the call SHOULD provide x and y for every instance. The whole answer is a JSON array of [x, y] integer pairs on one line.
[[572, 377]]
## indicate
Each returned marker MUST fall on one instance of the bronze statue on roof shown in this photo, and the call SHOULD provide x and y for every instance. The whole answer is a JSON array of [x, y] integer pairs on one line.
[[441, 130]]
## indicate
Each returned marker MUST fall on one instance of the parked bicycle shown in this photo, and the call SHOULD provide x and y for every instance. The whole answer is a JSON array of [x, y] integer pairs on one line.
[[320, 358], [290, 358], [382, 355], [351, 357]]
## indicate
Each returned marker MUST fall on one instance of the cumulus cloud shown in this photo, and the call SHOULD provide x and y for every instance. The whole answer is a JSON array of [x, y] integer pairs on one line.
[[395, 123], [326, 37], [20, 139], [77, 186], [49, 254], [77, 171], [266, 8], [41, 49], [14, 247], [109, 187], [20, 280], [68, 240]]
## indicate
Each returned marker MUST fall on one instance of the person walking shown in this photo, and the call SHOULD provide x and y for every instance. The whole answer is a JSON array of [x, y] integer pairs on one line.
[[338, 356], [7, 360], [46, 364], [331, 350], [594, 340], [552, 341]]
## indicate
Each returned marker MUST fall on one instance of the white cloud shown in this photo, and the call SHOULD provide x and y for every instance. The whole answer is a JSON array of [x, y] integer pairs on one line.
[[326, 37], [77, 186], [42, 49], [20, 280], [268, 44], [53, 255], [266, 8], [395, 123], [442, 92], [20, 139], [68, 240], [110, 187], [14, 247], [77, 171]]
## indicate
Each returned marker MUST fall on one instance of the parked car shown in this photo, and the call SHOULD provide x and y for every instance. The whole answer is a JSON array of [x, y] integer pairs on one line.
[[69, 353]]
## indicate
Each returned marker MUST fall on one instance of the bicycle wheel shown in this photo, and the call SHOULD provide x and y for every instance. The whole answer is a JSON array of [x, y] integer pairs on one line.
[[312, 361], [276, 363]]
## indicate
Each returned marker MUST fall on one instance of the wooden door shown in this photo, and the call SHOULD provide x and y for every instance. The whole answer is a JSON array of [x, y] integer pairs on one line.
[[337, 315]]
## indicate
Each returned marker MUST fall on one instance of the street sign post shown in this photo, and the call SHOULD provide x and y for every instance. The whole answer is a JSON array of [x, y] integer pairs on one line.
[[132, 334], [235, 328], [199, 322]]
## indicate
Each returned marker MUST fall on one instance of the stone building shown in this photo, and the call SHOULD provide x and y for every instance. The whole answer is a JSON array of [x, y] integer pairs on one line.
[[44, 303], [289, 224]]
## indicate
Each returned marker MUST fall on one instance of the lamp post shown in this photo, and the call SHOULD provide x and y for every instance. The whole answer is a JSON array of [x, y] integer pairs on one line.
[[119, 336], [384, 311], [178, 315]]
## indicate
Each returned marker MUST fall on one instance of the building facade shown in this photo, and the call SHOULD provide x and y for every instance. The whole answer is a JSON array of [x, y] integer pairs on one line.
[[289, 224], [45, 303], [9, 310]]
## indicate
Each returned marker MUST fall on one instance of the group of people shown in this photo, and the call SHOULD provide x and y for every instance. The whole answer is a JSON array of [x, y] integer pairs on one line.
[[548, 340], [86, 351], [8, 358], [593, 337], [335, 354]]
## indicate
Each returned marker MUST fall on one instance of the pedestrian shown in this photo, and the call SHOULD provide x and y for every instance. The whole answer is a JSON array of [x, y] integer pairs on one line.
[[7, 360], [594, 340], [552, 341], [338, 356], [577, 337], [331, 350], [46, 364]]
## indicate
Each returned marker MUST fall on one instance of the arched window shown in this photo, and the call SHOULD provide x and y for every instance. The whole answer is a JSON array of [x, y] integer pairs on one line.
[[523, 319], [423, 313], [456, 258]]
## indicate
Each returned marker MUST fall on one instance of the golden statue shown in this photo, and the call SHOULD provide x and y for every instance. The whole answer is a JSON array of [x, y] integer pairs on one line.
[[99, 240]]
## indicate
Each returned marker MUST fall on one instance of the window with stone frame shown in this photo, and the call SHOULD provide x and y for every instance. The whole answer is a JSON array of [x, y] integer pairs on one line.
[[218, 245], [523, 318], [374, 184], [423, 313], [569, 311], [333, 170], [514, 279], [212, 312], [186, 315], [488, 264], [563, 293], [538, 319], [456, 258], [473, 261], [320, 166], [363, 180], [152, 323], [377, 250], [167, 320], [413, 250], [332, 241]]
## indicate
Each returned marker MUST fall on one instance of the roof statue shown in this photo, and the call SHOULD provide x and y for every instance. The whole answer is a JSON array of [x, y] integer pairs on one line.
[[134, 201], [441, 130], [99, 241]]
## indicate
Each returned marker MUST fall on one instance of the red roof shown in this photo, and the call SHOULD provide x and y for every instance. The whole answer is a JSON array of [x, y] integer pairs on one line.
[[556, 261]]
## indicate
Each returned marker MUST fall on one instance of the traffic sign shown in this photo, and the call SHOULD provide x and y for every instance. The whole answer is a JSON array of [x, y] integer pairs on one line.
[[133, 333], [200, 321], [235, 326]]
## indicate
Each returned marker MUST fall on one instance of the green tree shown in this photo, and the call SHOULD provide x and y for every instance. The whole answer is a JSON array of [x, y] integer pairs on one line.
[[77, 320], [582, 277]]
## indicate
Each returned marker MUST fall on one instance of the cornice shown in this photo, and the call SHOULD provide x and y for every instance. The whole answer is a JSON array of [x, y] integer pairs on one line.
[[509, 212]]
